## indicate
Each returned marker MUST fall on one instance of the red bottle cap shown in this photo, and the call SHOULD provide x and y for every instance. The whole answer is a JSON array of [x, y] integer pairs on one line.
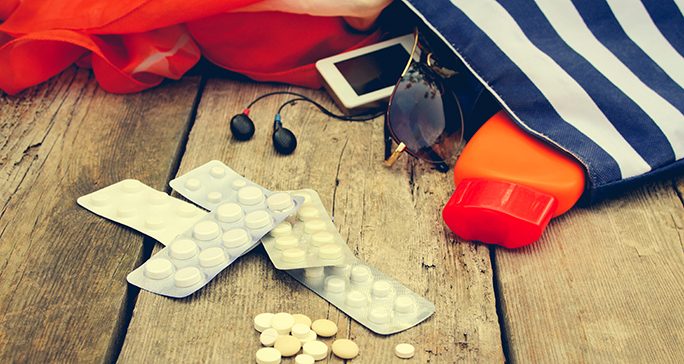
[[498, 212]]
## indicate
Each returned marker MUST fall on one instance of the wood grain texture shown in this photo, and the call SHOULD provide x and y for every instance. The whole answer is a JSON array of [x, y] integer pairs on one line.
[[391, 219], [605, 284], [62, 269]]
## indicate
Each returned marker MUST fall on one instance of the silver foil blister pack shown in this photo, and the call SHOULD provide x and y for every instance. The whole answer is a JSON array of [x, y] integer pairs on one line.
[[307, 239], [372, 298]]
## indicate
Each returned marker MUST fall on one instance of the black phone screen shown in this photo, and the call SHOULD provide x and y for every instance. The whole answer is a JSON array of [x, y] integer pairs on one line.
[[374, 71]]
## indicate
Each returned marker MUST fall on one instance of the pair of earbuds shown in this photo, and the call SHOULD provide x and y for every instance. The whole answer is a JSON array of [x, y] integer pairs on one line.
[[284, 141]]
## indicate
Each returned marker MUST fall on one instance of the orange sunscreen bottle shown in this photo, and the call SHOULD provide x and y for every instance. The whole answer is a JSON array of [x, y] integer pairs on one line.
[[509, 185]]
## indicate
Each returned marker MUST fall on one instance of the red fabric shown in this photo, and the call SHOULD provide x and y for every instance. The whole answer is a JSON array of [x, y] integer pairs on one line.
[[134, 45]]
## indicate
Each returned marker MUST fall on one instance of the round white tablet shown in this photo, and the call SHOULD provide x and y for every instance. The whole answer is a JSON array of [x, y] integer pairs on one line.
[[361, 274], [405, 351], [250, 196], [279, 201], [286, 242], [282, 322], [229, 212], [238, 184], [404, 304], [282, 229], [214, 197], [262, 321], [322, 238], [158, 268], [183, 249], [335, 285], [287, 345], [324, 327], [379, 315], [268, 356], [212, 257], [356, 299], [345, 349], [382, 289], [300, 331], [304, 359], [330, 252], [294, 255], [258, 219], [217, 172], [314, 226], [307, 213], [188, 276], [235, 238], [193, 184], [314, 272], [317, 349], [268, 337], [206, 230]]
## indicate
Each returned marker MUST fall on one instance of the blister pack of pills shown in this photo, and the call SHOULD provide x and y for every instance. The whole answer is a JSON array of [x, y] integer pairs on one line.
[[214, 242], [309, 239], [138, 206], [373, 299]]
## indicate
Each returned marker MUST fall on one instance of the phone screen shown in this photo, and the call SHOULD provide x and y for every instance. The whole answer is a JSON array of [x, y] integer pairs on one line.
[[376, 70]]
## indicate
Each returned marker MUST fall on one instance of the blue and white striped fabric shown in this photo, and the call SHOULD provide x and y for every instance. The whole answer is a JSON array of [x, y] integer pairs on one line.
[[600, 79]]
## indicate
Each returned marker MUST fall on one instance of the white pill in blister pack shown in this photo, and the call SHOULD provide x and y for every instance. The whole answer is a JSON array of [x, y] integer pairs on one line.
[[212, 243], [140, 207], [375, 300], [309, 239], [213, 183]]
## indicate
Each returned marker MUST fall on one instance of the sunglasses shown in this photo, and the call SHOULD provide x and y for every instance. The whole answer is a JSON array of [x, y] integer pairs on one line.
[[424, 118]]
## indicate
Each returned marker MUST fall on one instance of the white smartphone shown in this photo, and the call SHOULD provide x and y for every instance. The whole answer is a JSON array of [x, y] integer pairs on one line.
[[363, 79]]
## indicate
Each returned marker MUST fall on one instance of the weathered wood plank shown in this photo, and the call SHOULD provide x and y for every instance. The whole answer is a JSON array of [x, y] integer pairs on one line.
[[390, 217], [62, 269], [605, 284]]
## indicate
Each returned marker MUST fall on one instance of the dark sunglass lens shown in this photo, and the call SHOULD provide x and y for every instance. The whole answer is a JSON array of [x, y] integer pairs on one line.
[[426, 117]]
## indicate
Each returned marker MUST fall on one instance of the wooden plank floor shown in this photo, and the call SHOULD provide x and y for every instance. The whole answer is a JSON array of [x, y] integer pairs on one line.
[[604, 284]]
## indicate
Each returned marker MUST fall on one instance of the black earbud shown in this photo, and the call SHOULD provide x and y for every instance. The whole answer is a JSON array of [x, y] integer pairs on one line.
[[284, 141], [242, 126]]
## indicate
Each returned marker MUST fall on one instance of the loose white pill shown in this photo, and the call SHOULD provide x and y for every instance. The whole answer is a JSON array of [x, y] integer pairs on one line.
[[302, 319], [250, 196], [154, 222], [262, 321], [317, 349], [322, 238], [335, 285], [217, 172], [300, 331], [206, 230], [311, 336], [238, 184], [404, 351], [99, 199], [268, 337], [294, 255], [185, 210], [330, 252], [268, 356], [314, 226], [126, 211], [158, 268], [287, 345], [214, 197], [282, 322], [307, 213], [282, 229], [361, 274], [345, 349], [183, 249], [193, 184], [324, 327], [258, 220], [286, 242], [382, 289], [211, 257], [229, 212], [188, 276], [235, 238], [356, 299], [304, 359], [131, 185], [404, 304], [379, 315], [279, 201]]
